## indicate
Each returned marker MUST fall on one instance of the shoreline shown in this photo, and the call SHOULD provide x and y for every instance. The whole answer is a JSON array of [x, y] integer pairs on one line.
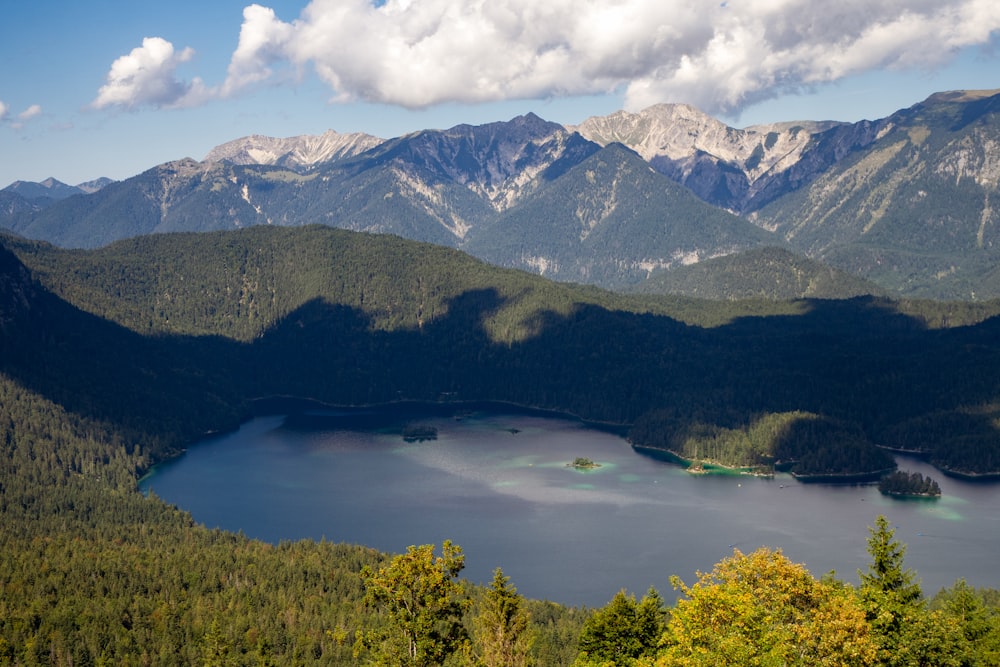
[[700, 467], [294, 405], [748, 471], [290, 404], [842, 478], [911, 496]]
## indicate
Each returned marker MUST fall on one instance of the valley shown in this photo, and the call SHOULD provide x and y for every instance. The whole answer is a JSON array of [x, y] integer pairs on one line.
[[824, 309]]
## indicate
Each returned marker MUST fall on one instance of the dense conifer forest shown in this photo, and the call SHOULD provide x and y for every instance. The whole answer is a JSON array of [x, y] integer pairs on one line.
[[114, 359]]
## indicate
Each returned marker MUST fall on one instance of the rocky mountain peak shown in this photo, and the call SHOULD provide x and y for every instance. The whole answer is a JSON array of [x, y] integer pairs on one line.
[[500, 162], [299, 152], [90, 187], [679, 132], [725, 166], [671, 130]]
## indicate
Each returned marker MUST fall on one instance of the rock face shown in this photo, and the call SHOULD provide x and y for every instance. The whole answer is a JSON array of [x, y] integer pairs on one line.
[[915, 211], [90, 187], [611, 220], [739, 170], [499, 162], [294, 152]]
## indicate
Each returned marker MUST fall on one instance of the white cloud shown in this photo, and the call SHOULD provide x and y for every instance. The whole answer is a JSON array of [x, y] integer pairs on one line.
[[18, 122], [719, 56], [263, 41], [146, 77], [30, 112]]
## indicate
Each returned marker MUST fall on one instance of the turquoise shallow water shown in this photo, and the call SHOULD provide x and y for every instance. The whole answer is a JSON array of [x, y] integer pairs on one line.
[[497, 484]]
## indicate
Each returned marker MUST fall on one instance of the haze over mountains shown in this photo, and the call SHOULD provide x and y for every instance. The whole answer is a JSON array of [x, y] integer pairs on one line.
[[900, 205]]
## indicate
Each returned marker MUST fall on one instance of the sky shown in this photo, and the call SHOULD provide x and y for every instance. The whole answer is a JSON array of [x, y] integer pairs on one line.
[[92, 88]]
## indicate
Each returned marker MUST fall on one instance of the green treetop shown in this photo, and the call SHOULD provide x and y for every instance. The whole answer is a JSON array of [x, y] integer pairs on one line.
[[501, 628], [423, 602]]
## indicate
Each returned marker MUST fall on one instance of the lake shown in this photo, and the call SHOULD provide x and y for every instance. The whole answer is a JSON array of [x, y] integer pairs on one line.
[[496, 482]]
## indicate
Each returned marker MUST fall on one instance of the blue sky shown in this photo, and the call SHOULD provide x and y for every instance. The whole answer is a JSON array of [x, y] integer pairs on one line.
[[111, 88]]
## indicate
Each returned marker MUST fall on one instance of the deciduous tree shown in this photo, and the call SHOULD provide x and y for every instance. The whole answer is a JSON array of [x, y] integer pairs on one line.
[[423, 603], [762, 609]]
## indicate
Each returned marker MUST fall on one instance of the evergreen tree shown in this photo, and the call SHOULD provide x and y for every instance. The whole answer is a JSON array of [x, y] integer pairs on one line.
[[622, 631], [501, 628], [886, 574], [892, 598], [216, 651]]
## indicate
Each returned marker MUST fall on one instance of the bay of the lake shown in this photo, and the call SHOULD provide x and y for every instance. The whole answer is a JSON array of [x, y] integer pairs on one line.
[[496, 482]]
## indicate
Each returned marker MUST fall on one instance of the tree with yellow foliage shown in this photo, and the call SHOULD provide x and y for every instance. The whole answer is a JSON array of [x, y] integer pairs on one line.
[[423, 602], [762, 609]]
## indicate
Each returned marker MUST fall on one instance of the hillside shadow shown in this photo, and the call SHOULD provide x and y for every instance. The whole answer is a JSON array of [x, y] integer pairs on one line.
[[855, 361]]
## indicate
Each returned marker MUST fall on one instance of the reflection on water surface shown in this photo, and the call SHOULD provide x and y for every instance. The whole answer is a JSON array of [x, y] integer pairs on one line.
[[497, 484]]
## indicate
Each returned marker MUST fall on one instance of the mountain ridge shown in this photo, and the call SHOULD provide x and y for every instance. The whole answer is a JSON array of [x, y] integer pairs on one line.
[[303, 151], [871, 198]]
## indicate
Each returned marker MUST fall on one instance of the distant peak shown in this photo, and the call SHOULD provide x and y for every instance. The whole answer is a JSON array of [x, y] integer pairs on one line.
[[961, 96], [302, 151], [673, 109], [90, 187], [531, 118]]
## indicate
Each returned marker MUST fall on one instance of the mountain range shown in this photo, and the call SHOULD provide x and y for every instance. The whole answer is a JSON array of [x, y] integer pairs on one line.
[[635, 201]]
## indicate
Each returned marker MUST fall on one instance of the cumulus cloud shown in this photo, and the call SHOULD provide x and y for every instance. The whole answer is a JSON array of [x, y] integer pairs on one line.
[[264, 40], [3, 111], [719, 56], [146, 77]]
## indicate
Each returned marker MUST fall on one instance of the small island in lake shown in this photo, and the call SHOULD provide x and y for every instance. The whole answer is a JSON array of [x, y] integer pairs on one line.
[[582, 463], [419, 433], [909, 485]]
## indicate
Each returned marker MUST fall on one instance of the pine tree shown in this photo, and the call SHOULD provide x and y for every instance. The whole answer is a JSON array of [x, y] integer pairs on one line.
[[886, 574], [622, 631], [892, 598], [501, 628]]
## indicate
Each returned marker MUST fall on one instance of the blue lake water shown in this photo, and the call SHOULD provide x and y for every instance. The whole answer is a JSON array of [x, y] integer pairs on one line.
[[497, 483]]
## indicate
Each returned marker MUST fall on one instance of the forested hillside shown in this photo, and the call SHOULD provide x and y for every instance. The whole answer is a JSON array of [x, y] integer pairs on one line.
[[111, 360], [760, 273], [912, 211], [350, 318]]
